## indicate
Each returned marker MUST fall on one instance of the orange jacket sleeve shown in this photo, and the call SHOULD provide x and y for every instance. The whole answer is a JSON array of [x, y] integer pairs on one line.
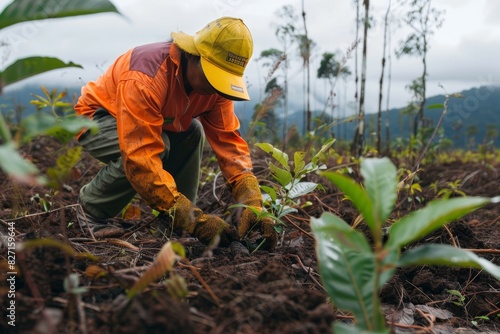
[[221, 128], [139, 124]]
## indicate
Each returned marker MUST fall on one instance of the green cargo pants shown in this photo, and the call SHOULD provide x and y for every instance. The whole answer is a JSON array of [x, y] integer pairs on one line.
[[110, 191]]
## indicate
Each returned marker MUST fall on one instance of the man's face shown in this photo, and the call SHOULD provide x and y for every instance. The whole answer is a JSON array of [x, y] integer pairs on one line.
[[197, 79]]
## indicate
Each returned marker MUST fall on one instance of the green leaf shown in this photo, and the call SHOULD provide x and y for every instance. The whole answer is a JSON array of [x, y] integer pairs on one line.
[[28, 67], [299, 163], [277, 154], [287, 210], [380, 181], [59, 174], [283, 176], [270, 191], [358, 195], [347, 269], [323, 149], [29, 10], [436, 214], [16, 167], [5, 134], [63, 129], [447, 255], [301, 188]]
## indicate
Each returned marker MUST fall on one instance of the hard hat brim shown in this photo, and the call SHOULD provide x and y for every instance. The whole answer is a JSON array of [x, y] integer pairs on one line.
[[225, 82]]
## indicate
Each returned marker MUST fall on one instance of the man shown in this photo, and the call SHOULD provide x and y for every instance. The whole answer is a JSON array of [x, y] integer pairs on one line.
[[154, 106]]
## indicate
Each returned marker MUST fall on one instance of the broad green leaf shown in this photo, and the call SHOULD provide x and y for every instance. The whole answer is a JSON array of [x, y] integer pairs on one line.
[[436, 214], [277, 154], [29, 10], [358, 195], [301, 188], [299, 163], [63, 129], [323, 149], [347, 269], [380, 181], [16, 167], [270, 191], [28, 67], [283, 176], [432, 254]]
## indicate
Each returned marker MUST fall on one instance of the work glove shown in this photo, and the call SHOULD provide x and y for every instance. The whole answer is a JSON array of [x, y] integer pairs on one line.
[[188, 217], [247, 192]]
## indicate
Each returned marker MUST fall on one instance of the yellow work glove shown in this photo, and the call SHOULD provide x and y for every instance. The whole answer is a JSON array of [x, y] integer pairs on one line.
[[247, 192], [188, 217]]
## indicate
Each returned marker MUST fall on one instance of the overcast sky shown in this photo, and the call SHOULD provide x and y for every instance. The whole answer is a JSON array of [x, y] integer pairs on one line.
[[463, 54]]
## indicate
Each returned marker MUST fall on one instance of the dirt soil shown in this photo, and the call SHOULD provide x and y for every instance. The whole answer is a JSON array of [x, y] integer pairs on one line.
[[230, 290]]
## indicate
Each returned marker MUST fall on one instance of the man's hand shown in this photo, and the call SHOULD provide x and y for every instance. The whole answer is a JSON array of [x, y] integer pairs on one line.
[[188, 217], [247, 192]]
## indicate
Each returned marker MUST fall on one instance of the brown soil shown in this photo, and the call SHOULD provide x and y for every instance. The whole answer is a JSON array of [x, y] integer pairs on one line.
[[230, 290]]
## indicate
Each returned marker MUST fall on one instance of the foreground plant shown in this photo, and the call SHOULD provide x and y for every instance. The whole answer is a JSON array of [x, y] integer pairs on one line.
[[353, 271]]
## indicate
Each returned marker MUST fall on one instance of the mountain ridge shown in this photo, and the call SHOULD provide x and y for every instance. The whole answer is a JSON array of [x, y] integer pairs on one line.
[[478, 107]]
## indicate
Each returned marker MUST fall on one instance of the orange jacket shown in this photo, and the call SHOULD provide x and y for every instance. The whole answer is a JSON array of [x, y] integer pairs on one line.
[[144, 91]]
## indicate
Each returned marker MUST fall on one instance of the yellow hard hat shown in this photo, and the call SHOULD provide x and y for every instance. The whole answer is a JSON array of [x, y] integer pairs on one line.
[[225, 47]]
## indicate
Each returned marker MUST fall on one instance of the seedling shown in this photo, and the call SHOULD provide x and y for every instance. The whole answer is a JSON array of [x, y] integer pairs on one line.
[[353, 271], [284, 197], [457, 297], [44, 201]]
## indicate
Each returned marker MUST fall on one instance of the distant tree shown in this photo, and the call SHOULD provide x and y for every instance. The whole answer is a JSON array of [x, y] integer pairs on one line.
[[330, 69], [286, 34], [457, 128], [423, 19], [305, 48], [491, 133], [264, 116], [416, 90], [471, 132]]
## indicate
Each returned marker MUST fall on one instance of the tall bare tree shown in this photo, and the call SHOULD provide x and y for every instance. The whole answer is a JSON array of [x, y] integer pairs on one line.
[[305, 51], [423, 19], [356, 77], [381, 81], [330, 69], [388, 96], [358, 141]]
